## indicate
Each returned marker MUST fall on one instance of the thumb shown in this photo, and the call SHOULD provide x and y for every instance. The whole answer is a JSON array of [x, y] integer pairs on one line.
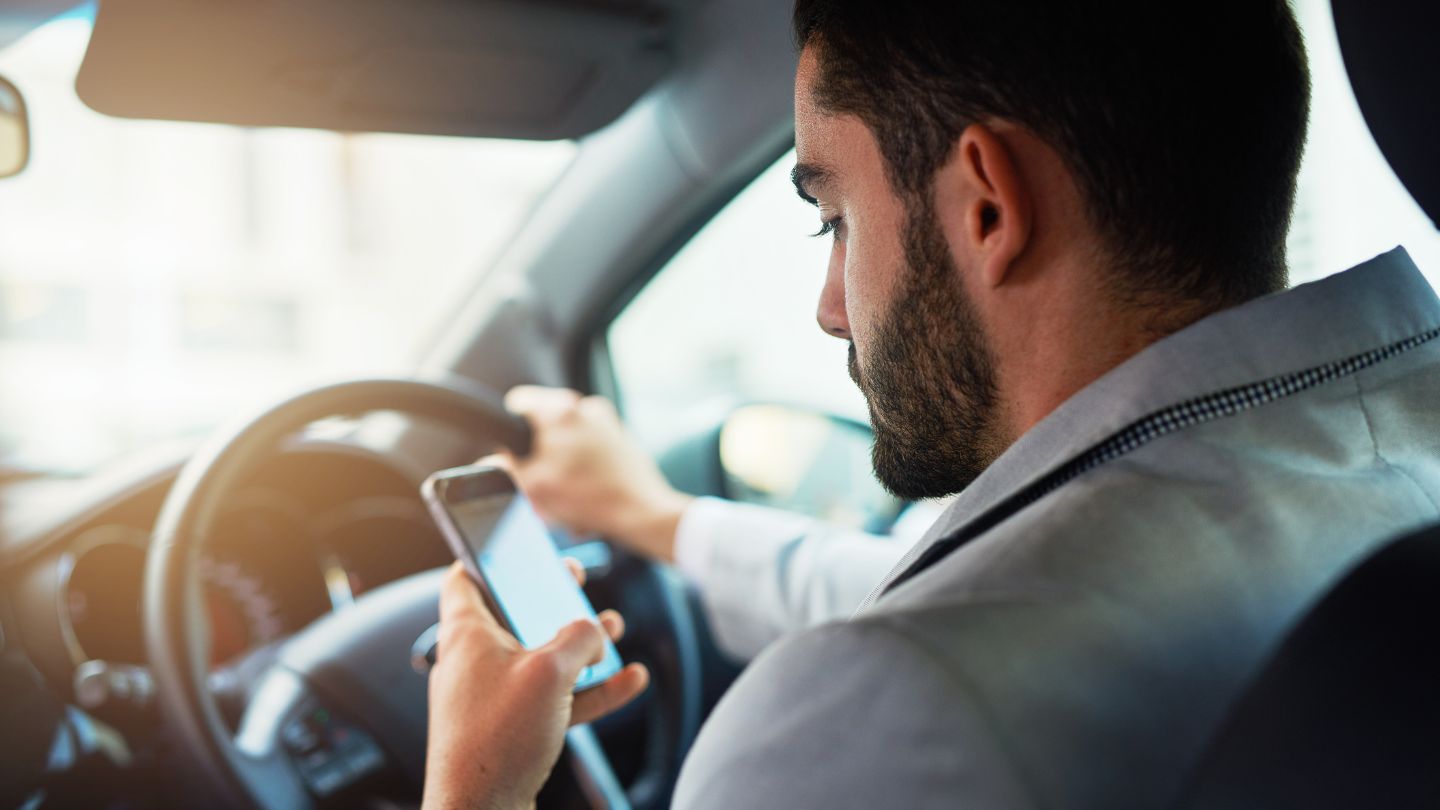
[[460, 599], [578, 645]]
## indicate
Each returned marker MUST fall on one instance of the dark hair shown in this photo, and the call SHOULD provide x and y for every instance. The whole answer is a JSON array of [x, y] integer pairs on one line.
[[1182, 122]]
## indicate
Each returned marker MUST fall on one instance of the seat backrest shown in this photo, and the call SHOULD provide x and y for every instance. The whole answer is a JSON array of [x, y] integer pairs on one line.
[[1347, 714], [1394, 67]]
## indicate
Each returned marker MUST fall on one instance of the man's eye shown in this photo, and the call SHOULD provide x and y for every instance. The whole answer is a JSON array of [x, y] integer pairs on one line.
[[829, 226]]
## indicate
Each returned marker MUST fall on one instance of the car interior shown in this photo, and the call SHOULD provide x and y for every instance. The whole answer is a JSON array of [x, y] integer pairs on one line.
[[266, 267]]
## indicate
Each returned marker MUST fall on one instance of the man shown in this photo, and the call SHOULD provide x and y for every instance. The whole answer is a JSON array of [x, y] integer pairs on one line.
[[1059, 260]]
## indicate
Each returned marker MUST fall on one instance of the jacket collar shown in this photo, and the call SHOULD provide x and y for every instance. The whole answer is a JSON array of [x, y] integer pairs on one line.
[[1381, 302]]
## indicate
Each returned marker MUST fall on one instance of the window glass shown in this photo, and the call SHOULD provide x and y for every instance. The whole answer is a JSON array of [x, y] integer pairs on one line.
[[731, 318], [158, 278]]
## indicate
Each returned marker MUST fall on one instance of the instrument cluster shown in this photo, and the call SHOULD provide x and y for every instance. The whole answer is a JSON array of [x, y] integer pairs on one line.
[[268, 569]]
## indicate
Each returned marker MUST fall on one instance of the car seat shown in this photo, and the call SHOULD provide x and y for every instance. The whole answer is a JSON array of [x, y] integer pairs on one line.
[[1347, 712]]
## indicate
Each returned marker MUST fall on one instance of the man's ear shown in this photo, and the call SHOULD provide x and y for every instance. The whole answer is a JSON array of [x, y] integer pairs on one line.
[[998, 210]]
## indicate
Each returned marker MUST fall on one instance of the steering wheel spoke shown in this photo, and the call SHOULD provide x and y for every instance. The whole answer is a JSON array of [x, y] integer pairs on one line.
[[292, 739]]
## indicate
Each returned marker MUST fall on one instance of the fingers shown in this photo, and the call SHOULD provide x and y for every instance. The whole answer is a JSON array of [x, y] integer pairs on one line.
[[601, 700], [599, 408], [613, 624], [502, 460], [539, 401], [576, 570], [465, 621], [577, 645]]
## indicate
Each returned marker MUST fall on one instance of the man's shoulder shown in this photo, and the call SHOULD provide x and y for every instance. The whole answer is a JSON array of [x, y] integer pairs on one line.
[[1217, 535], [1123, 611]]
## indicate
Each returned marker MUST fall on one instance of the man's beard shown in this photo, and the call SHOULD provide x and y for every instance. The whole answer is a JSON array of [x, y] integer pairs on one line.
[[929, 377]]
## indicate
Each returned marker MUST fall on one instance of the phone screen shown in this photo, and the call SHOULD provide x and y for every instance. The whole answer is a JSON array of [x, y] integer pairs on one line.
[[517, 558]]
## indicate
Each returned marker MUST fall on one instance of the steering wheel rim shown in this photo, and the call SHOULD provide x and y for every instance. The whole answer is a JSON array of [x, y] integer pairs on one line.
[[173, 618]]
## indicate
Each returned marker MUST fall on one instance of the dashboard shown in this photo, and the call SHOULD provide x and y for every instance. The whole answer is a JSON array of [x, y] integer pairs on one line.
[[317, 526], [328, 516], [271, 568]]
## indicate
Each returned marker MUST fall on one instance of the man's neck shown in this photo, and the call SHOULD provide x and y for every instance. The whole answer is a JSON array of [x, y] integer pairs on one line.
[[1065, 349]]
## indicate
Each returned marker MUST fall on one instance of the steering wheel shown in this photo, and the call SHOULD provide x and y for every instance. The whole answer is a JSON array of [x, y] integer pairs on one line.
[[338, 706]]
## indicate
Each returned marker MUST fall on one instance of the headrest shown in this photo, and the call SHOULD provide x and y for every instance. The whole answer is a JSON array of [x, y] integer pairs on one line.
[[1393, 58]]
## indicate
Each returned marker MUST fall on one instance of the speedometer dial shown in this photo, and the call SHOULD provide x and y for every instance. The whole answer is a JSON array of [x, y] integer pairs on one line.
[[263, 576], [102, 605], [243, 613]]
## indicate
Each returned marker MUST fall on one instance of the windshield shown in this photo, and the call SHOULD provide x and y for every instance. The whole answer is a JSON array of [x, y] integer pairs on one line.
[[159, 278]]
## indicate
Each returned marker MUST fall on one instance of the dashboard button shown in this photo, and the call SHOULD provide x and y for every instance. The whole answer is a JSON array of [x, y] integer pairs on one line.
[[300, 738], [363, 758], [327, 779]]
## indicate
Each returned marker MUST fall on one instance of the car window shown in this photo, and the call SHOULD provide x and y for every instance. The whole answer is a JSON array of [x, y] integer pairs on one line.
[[730, 318], [730, 322], [159, 278]]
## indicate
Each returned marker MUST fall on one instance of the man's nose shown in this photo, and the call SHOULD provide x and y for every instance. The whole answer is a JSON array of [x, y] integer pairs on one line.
[[831, 312]]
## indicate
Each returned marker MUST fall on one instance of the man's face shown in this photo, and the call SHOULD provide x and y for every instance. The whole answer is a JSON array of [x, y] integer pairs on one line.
[[894, 290]]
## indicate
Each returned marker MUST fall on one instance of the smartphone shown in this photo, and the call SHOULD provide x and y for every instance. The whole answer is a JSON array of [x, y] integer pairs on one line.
[[495, 532]]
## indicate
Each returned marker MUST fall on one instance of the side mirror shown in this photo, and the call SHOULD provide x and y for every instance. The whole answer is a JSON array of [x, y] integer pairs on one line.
[[14, 131], [806, 462]]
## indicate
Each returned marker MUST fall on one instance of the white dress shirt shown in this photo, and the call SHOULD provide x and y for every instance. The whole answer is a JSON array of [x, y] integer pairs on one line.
[[763, 573]]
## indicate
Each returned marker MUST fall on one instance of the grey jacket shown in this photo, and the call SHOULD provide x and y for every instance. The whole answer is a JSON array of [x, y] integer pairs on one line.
[[1071, 631]]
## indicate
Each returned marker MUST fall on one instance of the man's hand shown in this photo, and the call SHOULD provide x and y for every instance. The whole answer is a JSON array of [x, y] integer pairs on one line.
[[498, 712], [586, 474]]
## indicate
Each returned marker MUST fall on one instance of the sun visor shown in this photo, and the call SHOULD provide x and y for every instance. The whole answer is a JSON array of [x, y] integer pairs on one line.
[[533, 69]]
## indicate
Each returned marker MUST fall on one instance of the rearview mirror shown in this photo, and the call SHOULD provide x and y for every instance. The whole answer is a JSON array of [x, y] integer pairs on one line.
[[807, 462], [14, 131]]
